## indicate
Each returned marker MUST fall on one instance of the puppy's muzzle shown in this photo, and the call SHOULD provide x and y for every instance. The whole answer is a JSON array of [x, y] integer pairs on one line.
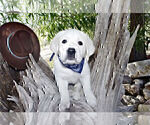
[[71, 53]]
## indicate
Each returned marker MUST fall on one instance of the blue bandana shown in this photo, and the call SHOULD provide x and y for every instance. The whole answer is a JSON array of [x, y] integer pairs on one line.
[[74, 67]]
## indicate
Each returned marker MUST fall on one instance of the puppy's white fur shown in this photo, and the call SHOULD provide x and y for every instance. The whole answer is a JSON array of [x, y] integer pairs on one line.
[[63, 75]]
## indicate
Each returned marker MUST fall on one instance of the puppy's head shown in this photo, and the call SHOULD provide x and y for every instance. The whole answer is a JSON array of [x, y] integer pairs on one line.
[[72, 46]]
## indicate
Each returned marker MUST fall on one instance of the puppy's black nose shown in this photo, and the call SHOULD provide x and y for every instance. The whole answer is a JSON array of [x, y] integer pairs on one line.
[[71, 51]]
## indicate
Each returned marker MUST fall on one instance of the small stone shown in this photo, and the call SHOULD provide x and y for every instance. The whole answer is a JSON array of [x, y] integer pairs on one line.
[[127, 80], [138, 69], [138, 82], [132, 89], [147, 85], [146, 93], [126, 99], [147, 102], [135, 89], [144, 108], [129, 100], [140, 98], [127, 87]]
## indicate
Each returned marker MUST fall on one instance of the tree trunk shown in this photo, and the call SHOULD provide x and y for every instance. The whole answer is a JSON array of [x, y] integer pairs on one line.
[[114, 44]]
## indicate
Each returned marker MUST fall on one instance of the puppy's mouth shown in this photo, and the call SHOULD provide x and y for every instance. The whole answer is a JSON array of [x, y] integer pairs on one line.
[[71, 55], [70, 60]]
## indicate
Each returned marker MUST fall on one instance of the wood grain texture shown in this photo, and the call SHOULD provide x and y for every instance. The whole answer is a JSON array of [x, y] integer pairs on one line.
[[114, 45]]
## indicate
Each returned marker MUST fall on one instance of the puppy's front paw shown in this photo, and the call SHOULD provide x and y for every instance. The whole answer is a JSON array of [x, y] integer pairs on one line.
[[64, 105], [91, 100]]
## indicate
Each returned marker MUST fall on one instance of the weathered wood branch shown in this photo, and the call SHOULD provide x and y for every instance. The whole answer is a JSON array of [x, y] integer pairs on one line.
[[7, 74], [114, 45], [116, 6]]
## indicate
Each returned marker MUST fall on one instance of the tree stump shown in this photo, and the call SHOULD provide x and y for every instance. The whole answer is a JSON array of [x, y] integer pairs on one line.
[[114, 45]]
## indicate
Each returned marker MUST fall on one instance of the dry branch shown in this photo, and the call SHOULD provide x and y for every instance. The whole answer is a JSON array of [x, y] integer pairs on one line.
[[114, 45]]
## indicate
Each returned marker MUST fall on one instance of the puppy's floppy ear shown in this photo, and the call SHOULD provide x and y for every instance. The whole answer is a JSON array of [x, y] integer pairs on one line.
[[90, 48], [55, 42]]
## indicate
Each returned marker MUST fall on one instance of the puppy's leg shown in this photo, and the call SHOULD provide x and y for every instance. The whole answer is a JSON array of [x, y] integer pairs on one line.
[[91, 99], [64, 94], [77, 88]]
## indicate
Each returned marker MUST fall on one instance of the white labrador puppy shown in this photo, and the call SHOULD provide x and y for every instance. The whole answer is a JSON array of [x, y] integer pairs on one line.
[[72, 49]]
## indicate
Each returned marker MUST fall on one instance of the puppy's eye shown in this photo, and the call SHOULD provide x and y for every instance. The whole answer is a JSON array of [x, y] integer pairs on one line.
[[64, 41], [80, 43]]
